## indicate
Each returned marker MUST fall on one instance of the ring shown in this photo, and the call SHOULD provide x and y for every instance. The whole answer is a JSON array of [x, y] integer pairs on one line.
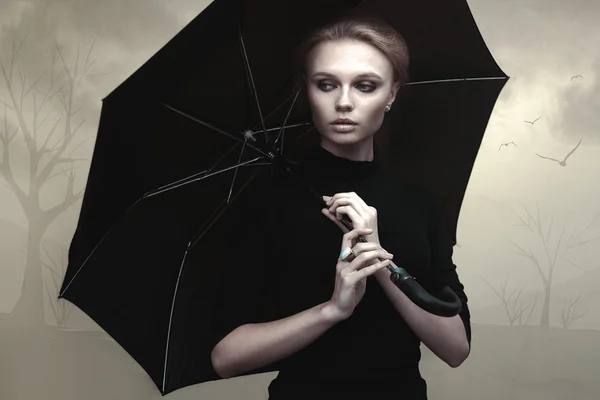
[[346, 252]]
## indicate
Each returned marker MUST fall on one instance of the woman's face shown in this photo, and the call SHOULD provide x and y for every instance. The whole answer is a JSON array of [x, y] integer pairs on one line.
[[348, 79]]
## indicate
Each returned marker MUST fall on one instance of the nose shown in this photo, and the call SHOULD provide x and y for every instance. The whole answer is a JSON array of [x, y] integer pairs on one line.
[[344, 103]]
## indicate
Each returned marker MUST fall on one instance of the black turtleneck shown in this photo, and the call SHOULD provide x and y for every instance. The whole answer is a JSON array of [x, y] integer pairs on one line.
[[293, 249]]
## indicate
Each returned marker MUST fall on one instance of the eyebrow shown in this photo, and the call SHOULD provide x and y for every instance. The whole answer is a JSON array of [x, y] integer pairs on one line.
[[360, 76]]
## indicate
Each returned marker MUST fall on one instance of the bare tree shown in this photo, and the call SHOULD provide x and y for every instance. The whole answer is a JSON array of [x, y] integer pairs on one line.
[[570, 312], [32, 104], [514, 307], [60, 308], [553, 255]]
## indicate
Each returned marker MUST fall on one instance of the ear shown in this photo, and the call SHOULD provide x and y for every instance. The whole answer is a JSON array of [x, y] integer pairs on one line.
[[394, 92]]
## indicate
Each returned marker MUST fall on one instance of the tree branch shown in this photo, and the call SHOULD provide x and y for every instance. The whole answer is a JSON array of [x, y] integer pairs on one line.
[[513, 307], [5, 167], [569, 313], [533, 259], [70, 198]]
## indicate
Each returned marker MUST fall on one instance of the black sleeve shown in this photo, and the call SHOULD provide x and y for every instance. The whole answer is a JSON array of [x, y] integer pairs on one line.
[[244, 293], [443, 270]]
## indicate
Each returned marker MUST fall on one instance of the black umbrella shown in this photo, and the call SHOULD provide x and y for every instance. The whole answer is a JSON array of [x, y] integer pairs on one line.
[[214, 113]]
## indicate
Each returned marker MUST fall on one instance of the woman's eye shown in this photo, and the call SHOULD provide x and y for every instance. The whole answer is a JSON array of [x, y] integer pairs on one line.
[[325, 86], [363, 87]]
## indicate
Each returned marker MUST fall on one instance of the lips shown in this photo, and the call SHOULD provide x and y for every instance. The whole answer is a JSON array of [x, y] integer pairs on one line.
[[342, 121], [343, 128]]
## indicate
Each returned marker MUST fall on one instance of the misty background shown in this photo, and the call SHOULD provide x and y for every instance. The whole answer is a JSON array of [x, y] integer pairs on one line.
[[528, 236]]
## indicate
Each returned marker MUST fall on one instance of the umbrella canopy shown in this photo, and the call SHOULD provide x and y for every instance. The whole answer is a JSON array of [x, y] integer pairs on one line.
[[172, 138]]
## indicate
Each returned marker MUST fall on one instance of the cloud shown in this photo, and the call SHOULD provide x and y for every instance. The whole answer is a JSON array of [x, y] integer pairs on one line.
[[579, 107], [541, 45], [129, 32]]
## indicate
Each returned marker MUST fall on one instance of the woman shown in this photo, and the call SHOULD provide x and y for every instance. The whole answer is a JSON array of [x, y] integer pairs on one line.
[[327, 334]]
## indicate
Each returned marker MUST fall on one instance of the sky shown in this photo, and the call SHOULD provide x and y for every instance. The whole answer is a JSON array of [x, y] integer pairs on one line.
[[540, 44]]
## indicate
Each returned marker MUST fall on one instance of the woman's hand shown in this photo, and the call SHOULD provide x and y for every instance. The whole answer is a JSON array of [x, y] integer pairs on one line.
[[350, 204], [352, 272]]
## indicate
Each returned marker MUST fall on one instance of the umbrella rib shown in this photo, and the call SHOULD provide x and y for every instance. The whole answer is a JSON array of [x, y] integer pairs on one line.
[[281, 132], [222, 208], [94, 249], [286, 126], [189, 180], [239, 139], [275, 110], [456, 80], [305, 132], [235, 173], [252, 133], [203, 172], [224, 156], [253, 86], [215, 215], [164, 382]]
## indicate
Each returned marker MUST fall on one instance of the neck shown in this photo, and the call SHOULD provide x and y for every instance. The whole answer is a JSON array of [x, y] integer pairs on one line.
[[360, 151]]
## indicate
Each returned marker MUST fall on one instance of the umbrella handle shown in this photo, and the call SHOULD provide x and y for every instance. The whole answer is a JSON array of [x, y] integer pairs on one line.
[[447, 304]]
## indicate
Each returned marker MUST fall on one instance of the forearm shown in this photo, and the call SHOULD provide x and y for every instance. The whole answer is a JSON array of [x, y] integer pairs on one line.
[[444, 336], [253, 346]]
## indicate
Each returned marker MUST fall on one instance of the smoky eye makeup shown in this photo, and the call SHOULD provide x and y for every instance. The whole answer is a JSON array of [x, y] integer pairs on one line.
[[365, 87]]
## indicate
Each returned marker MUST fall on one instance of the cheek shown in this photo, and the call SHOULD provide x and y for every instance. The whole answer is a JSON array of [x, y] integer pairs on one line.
[[318, 105], [374, 111], [374, 105]]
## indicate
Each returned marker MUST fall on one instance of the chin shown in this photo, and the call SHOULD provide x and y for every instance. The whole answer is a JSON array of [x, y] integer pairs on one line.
[[346, 139]]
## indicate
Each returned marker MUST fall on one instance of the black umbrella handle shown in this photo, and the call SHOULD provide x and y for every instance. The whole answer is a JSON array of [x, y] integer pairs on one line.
[[446, 305]]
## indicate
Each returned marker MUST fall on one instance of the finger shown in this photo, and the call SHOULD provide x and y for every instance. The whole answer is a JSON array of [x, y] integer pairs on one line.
[[356, 218], [349, 238], [328, 214], [349, 195], [368, 258], [339, 195], [360, 248], [368, 271], [351, 199], [348, 206], [362, 204], [333, 218], [343, 201], [330, 199]]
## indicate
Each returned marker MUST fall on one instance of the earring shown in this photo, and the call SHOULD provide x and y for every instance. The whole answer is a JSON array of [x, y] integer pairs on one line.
[[388, 107]]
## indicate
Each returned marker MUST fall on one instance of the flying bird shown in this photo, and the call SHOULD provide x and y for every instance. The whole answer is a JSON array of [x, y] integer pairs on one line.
[[532, 122], [506, 144], [576, 76], [562, 163]]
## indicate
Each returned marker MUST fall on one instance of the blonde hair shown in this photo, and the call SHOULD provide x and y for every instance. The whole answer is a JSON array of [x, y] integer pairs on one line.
[[369, 29]]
